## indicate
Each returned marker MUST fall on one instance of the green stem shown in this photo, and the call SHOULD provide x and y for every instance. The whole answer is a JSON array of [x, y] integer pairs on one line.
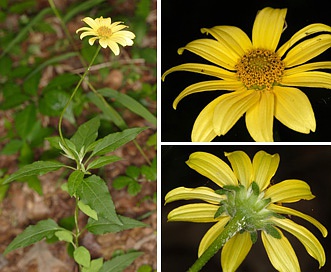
[[77, 229], [74, 92], [233, 227]]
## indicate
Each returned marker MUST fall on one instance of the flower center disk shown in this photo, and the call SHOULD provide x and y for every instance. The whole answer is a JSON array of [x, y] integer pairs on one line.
[[260, 69], [104, 31]]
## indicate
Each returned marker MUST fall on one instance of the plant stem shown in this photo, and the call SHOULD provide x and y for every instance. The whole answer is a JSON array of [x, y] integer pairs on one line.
[[234, 226], [74, 92]]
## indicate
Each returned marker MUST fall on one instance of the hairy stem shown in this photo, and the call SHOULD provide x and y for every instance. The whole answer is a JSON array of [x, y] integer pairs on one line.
[[233, 227]]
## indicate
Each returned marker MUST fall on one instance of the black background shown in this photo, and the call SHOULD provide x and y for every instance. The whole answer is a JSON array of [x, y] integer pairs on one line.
[[180, 240], [181, 22]]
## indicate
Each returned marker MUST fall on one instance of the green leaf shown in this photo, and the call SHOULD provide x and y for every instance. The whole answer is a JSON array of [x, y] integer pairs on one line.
[[145, 268], [12, 147], [109, 112], [103, 225], [53, 102], [133, 171], [74, 181], [121, 181], [35, 184], [94, 192], [95, 266], [149, 172], [119, 263], [24, 121], [134, 188], [64, 235], [115, 140], [130, 103], [102, 161], [31, 85], [87, 210], [86, 133], [33, 234], [35, 169], [82, 256], [22, 34]]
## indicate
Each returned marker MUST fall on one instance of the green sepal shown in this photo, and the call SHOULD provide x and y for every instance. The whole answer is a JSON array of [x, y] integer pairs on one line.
[[253, 236], [220, 210], [271, 230], [255, 188]]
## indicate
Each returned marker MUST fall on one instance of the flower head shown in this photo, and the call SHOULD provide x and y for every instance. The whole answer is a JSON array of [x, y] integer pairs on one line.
[[247, 198], [109, 34], [261, 78]]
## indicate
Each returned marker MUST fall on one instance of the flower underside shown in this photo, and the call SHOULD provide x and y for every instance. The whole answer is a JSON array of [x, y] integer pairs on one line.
[[260, 69]]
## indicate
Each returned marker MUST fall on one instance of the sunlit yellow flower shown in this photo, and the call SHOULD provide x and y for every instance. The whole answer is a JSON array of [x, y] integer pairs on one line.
[[262, 79], [249, 202], [109, 34]]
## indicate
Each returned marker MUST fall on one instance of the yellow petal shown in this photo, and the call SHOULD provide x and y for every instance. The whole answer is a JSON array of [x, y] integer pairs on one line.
[[92, 23], [212, 51], [310, 242], [280, 253], [268, 27], [293, 109], [288, 191], [259, 119], [203, 128], [307, 50], [202, 193], [232, 37], [206, 69], [264, 168], [289, 211], [213, 168], [308, 67], [231, 107], [313, 79], [242, 167], [235, 251], [199, 213], [211, 85], [212, 234], [303, 33]]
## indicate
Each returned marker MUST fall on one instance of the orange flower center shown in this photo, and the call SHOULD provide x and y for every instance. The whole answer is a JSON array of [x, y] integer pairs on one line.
[[104, 31], [260, 69]]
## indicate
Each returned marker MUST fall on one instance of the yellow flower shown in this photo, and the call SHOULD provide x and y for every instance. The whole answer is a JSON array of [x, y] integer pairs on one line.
[[247, 197], [262, 79], [109, 34]]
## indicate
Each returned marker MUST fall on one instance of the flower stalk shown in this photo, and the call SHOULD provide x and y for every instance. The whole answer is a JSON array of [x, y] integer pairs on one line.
[[234, 226]]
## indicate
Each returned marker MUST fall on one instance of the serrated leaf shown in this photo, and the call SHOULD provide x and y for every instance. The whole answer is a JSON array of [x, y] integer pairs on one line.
[[95, 266], [74, 181], [102, 161], [119, 263], [87, 210], [82, 256], [94, 192], [86, 133], [132, 171], [35, 169], [64, 235], [130, 103], [149, 172], [35, 184], [33, 234], [121, 181], [103, 225], [115, 140], [134, 188]]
